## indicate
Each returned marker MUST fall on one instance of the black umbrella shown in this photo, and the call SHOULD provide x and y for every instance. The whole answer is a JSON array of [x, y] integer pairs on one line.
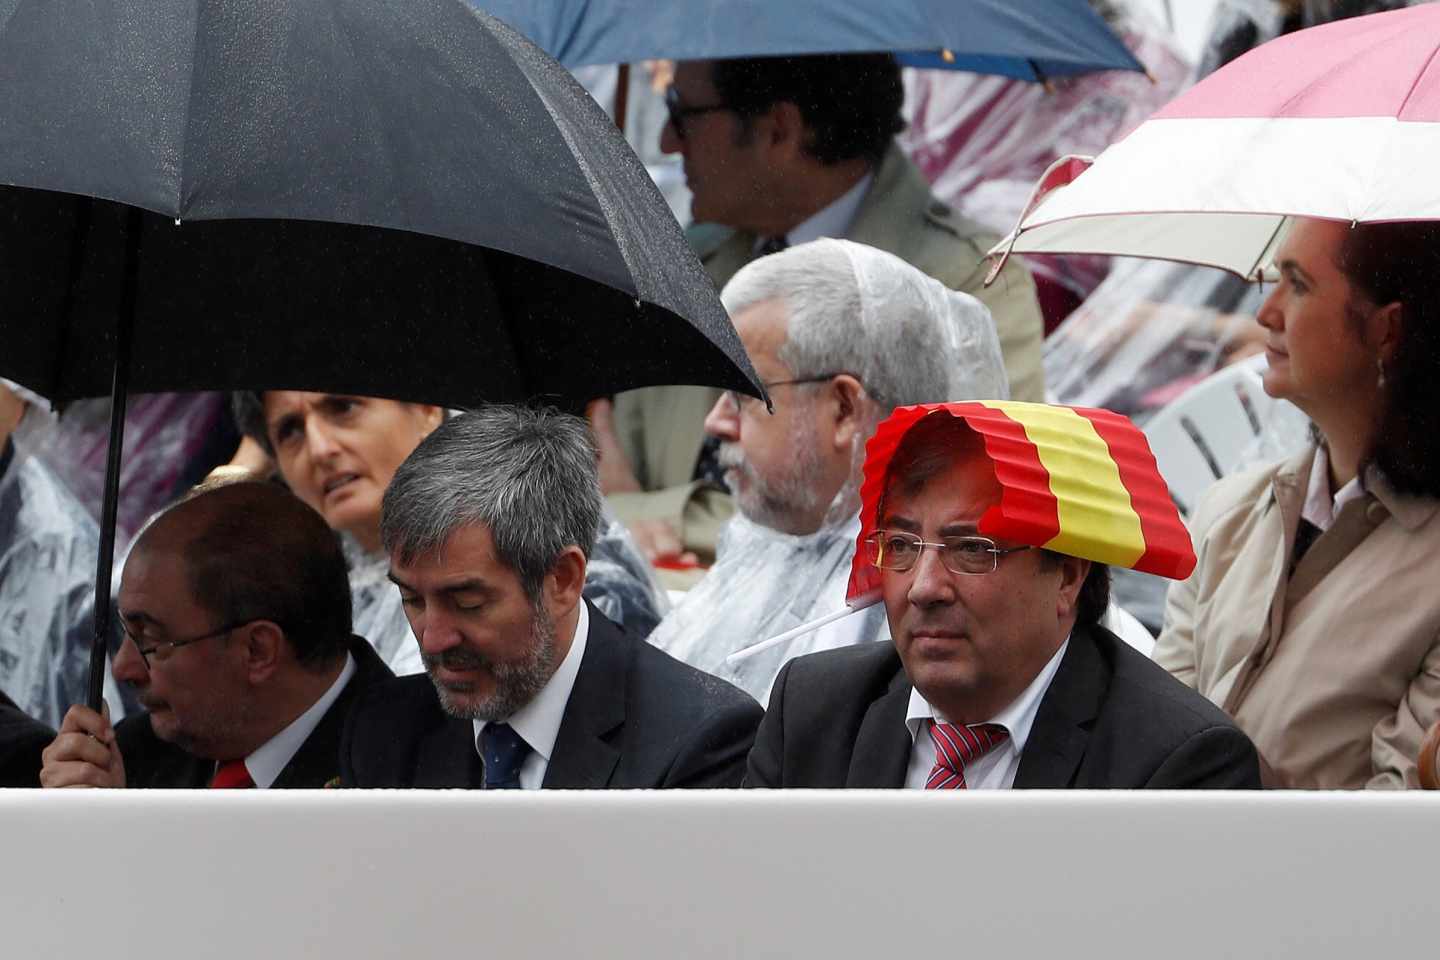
[[399, 198]]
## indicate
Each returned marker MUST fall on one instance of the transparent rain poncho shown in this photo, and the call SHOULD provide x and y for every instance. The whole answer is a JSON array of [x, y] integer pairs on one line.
[[983, 141], [48, 549], [765, 582], [617, 580]]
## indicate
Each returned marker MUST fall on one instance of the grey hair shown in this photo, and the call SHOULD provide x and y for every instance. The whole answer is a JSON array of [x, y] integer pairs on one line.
[[528, 474], [858, 310]]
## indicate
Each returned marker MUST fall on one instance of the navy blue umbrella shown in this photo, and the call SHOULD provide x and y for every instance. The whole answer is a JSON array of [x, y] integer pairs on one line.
[[1025, 39]]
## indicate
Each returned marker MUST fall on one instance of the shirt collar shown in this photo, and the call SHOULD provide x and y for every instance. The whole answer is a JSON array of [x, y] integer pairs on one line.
[[1017, 718], [1320, 507], [832, 220], [271, 757], [538, 722]]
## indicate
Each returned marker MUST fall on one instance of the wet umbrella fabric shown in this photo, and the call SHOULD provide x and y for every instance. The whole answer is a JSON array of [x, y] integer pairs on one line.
[[1024, 39], [1339, 121], [398, 198]]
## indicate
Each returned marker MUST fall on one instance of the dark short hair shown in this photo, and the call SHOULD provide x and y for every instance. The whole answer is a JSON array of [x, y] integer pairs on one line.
[[254, 551], [1094, 597], [248, 408], [1400, 263], [528, 474], [850, 102], [938, 440]]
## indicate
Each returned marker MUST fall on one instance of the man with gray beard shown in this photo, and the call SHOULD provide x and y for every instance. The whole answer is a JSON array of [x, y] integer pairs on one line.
[[488, 526], [841, 334]]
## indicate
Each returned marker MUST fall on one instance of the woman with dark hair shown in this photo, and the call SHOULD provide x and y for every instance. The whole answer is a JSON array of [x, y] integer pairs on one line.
[[1313, 616]]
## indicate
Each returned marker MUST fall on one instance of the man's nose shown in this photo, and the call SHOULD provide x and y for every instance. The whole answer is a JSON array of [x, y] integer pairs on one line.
[[670, 139], [930, 582], [128, 666], [723, 420], [435, 632]]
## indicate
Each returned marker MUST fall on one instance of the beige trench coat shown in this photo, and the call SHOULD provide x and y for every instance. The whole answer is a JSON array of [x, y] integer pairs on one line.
[[1333, 670]]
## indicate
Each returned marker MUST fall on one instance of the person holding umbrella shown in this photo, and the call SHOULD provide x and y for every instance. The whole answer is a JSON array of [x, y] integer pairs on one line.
[[237, 626], [338, 454], [1311, 616]]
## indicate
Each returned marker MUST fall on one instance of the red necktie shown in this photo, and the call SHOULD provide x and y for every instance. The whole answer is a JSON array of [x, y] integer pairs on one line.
[[957, 746], [231, 775]]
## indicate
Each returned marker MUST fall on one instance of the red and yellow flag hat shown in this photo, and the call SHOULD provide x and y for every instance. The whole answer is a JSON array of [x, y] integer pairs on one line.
[[1075, 480]]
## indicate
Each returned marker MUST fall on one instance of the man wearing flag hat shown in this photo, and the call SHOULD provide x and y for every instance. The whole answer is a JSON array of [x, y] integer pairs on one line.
[[987, 529]]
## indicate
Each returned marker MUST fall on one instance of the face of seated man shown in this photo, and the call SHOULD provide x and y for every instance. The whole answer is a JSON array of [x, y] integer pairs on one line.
[[786, 469], [488, 648], [972, 643], [197, 692], [338, 452]]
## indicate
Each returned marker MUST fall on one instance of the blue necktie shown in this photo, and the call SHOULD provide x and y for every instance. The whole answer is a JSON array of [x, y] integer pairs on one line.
[[503, 751]]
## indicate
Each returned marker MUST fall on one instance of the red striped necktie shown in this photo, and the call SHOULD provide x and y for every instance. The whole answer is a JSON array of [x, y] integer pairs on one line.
[[231, 775], [957, 746]]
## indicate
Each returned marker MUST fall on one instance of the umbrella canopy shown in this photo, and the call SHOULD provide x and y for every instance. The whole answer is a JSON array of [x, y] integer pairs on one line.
[[1339, 122], [1025, 39], [401, 198]]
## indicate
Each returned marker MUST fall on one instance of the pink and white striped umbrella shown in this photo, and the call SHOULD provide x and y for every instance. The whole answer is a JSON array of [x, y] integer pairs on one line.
[[1340, 122]]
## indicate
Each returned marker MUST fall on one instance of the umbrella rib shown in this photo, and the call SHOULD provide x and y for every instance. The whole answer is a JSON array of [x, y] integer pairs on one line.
[[1279, 225], [185, 118], [1429, 62]]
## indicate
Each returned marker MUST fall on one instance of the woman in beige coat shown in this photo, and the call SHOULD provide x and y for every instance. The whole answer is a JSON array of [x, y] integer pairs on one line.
[[1313, 614]]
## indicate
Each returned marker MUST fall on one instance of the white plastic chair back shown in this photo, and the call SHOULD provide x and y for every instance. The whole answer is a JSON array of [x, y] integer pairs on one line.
[[1124, 625], [1201, 435]]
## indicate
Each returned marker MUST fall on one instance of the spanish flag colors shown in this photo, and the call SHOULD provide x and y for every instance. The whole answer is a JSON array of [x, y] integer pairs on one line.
[[1074, 480]]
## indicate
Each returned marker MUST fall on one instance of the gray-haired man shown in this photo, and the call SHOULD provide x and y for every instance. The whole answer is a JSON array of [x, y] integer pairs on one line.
[[488, 525], [841, 333]]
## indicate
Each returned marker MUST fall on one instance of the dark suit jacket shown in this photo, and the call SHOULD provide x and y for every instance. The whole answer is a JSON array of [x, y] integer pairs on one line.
[[22, 739], [151, 762], [1110, 718], [636, 718]]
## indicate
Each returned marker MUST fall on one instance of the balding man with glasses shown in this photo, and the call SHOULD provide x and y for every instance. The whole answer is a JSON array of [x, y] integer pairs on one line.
[[235, 605], [999, 674]]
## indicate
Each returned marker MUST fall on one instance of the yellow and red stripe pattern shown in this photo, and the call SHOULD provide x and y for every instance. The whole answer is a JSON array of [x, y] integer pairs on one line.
[[1075, 480]]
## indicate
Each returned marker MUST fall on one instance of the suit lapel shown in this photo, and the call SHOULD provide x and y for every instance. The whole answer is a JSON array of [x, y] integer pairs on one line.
[[446, 757], [1061, 730], [585, 756], [317, 762], [882, 746]]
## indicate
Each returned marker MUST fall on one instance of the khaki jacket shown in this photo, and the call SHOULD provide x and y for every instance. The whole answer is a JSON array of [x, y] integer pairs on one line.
[[661, 428], [1333, 670]]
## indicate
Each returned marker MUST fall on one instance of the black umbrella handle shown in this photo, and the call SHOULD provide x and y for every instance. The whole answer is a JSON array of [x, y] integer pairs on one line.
[[119, 392]]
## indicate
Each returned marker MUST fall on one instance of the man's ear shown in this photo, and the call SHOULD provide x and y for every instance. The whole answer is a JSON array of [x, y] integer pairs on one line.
[[1073, 572], [565, 581], [263, 647], [847, 401], [783, 127]]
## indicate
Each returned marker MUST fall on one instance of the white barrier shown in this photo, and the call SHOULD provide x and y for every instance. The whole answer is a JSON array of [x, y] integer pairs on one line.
[[825, 875]]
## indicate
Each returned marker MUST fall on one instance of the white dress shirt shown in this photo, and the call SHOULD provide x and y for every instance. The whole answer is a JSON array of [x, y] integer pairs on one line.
[[538, 722], [996, 769], [832, 220], [1320, 507], [265, 764]]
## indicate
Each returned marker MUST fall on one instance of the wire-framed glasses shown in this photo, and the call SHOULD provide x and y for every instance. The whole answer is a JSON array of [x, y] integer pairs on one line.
[[899, 550], [678, 111], [737, 401], [169, 646]]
